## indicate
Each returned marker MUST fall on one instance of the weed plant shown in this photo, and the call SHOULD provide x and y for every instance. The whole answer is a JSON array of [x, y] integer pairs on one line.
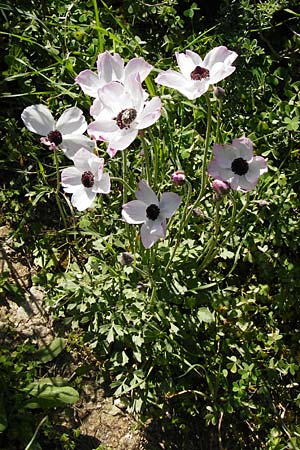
[[200, 330]]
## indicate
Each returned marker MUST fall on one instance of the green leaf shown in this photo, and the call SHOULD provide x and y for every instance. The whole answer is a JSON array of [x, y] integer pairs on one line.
[[51, 351], [204, 315], [3, 417], [46, 396]]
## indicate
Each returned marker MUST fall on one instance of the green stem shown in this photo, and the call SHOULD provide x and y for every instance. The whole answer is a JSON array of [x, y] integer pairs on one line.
[[100, 36], [59, 205], [124, 183], [35, 433], [146, 159]]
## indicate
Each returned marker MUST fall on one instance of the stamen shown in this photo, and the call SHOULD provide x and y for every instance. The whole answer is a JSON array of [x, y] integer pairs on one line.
[[87, 179], [152, 212], [126, 117], [55, 137], [239, 166], [199, 73]]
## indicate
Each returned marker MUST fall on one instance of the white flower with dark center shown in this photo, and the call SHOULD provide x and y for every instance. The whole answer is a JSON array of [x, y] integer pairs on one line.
[[235, 164], [196, 75], [85, 179], [124, 112], [111, 68], [150, 212], [66, 133]]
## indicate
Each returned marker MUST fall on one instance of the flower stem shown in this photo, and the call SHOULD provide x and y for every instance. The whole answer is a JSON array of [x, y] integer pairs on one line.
[[100, 36], [146, 159], [59, 205], [124, 183]]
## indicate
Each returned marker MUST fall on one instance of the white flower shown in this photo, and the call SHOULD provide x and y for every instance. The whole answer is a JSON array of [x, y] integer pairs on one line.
[[85, 179], [66, 133], [111, 68], [196, 74], [235, 164], [124, 112], [151, 212]]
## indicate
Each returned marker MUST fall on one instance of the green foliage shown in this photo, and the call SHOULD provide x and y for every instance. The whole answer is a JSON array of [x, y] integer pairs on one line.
[[214, 335]]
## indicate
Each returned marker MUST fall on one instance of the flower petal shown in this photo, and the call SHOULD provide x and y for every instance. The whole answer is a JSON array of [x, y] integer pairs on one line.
[[224, 154], [245, 147], [220, 71], [72, 121], [146, 194], [214, 170], [137, 65], [72, 143], [83, 198], [176, 80], [257, 167], [169, 203], [187, 62], [82, 159], [150, 114], [122, 139], [110, 67], [102, 186], [148, 239], [89, 82], [71, 178], [217, 55], [134, 212], [38, 119], [240, 183]]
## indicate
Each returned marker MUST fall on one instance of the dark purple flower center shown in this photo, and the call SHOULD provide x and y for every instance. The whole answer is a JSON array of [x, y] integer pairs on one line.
[[239, 166], [87, 179], [126, 117], [199, 73], [55, 137], [152, 212]]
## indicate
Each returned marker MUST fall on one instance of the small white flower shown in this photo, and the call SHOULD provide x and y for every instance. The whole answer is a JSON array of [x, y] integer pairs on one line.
[[111, 68], [235, 164], [123, 113], [85, 179], [150, 212], [66, 133], [196, 75]]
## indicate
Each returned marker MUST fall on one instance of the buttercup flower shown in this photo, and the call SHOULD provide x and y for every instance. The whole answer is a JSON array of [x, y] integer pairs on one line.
[[235, 164], [196, 75], [66, 133], [150, 212], [85, 179], [111, 68], [124, 112]]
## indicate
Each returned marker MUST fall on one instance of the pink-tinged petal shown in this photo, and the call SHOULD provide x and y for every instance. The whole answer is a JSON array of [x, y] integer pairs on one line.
[[137, 65], [134, 86], [38, 119], [240, 183], [71, 143], [122, 139], [100, 128], [102, 186], [220, 71], [81, 160], [111, 151], [96, 165], [257, 167], [216, 171], [217, 55], [197, 60], [176, 80], [225, 154], [134, 212], [72, 121], [245, 147], [150, 114], [146, 194], [110, 67], [186, 63], [114, 98], [83, 198], [169, 203], [148, 239], [89, 82], [96, 108], [70, 178]]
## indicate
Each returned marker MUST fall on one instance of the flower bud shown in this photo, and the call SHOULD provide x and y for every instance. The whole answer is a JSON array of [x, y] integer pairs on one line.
[[126, 259], [220, 187], [178, 178], [219, 92]]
